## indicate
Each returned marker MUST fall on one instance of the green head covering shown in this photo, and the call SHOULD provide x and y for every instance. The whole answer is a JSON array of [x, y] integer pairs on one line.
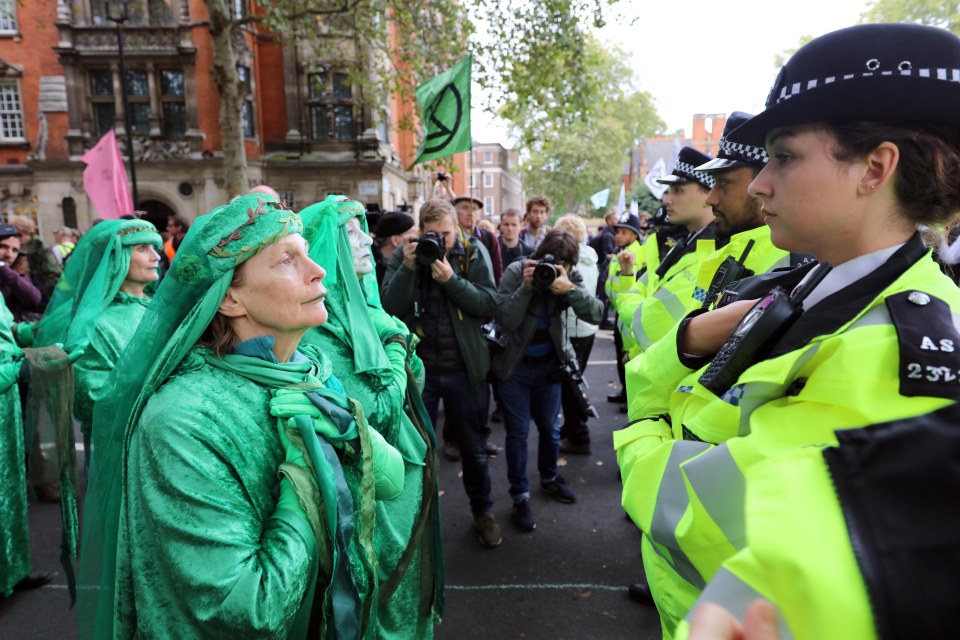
[[185, 303], [91, 279], [348, 297]]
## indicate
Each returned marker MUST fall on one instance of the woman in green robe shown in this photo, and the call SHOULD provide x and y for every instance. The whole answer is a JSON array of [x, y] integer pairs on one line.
[[370, 354], [98, 303], [15, 547], [233, 485]]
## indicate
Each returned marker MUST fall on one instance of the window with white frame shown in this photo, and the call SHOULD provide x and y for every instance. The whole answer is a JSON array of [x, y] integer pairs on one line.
[[487, 180], [11, 112], [487, 157], [473, 181], [246, 114], [8, 16], [488, 205]]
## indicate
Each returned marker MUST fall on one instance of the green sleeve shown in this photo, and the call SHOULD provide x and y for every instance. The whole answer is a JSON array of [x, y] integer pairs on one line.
[[90, 373], [475, 294], [212, 555]]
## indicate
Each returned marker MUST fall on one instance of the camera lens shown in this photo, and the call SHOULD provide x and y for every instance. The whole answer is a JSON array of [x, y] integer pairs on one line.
[[544, 274], [430, 248]]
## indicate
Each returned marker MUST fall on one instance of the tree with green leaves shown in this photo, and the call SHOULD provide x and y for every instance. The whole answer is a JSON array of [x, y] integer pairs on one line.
[[572, 157], [529, 53], [936, 13]]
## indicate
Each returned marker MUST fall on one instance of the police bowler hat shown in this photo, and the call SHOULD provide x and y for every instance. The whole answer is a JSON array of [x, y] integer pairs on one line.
[[629, 221], [661, 217], [897, 73], [686, 169], [735, 154]]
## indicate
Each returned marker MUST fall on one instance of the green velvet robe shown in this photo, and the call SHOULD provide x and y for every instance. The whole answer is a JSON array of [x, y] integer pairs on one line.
[[115, 327], [406, 612], [230, 564], [14, 538]]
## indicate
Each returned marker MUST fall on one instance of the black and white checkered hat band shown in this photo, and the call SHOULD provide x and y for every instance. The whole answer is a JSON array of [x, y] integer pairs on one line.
[[947, 75], [687, 171], [741, 152]]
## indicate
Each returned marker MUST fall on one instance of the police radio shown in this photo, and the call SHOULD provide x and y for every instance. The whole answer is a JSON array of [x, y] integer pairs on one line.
[[758, 331], [729, 271]]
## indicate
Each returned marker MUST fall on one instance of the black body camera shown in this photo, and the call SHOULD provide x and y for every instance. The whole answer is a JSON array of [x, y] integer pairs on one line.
[[757, 332], [430, 248], [545, 272]]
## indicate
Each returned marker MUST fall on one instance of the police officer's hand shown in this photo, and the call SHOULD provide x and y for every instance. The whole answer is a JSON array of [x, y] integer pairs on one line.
[[410, 255], [627, 261], [561, 285], [528, 266], [712, 622], [441, 270], [706, 333]]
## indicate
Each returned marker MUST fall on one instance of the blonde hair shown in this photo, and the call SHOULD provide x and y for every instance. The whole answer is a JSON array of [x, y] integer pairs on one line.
[[23, 224], [574, 225], [435, 209]]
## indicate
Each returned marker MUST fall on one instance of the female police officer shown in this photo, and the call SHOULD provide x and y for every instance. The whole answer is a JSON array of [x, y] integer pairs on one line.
[[863, 132]]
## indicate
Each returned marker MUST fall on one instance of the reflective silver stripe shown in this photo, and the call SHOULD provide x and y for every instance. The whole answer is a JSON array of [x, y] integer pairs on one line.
[[721, 489], [956, 321], [735, 595], [673, 306], [877, 315], [644, 277], [782, 263], [672, 502], [756, 394]]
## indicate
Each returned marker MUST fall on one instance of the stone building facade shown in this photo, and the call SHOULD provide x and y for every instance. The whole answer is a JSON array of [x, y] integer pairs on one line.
[[307, 133]]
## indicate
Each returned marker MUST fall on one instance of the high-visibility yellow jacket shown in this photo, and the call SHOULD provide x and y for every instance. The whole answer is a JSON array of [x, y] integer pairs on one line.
[[853, 541], [651, 311], [763, 257], [618, 284], [683, 464]]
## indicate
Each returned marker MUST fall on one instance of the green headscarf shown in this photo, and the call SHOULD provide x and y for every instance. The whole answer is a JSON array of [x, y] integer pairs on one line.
[[185, 303], [348, 298], [91, 279]]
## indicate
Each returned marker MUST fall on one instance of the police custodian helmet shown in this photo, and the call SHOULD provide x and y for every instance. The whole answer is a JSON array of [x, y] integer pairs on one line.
[[872, 72]]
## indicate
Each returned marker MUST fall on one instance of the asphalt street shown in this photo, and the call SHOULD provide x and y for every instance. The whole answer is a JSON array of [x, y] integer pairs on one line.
[[565, 580]]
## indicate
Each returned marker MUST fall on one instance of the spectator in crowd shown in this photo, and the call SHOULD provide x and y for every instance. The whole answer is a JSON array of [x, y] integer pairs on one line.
[[532, 298], [444, 292], [469, 211], [218, 416], [574, 434], [627, 238], [604, 244], [20, 294], [368, 351], [65, 239], [539, 209], [511, 248], [393, 230], [44, 270], [177, 227], [486, 225]]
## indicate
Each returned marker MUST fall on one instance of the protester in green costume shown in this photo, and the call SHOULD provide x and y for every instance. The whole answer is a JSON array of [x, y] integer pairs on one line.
[[99, 301], [15, 547], [370, 354], [209, 407]]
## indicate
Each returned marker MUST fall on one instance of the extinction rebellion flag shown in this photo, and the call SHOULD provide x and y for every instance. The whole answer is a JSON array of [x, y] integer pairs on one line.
[[445, 112]]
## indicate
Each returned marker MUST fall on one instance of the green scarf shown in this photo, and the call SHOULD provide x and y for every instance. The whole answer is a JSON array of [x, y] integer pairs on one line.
[[254, 359]]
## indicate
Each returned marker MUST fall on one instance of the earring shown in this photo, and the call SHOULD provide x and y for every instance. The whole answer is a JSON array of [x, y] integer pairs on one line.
[[872, 187]]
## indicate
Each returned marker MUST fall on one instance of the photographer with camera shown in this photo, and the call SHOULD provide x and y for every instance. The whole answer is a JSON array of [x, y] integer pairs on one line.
[[538, 356], [444, 292]]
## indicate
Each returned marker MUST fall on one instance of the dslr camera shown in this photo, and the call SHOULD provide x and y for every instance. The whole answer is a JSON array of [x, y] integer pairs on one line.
[[545, 272], [442, 176], [430, 248]]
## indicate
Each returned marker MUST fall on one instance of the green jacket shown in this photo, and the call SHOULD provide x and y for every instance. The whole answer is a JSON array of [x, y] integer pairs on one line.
[[518, 311], [471, 297], [682, 449]]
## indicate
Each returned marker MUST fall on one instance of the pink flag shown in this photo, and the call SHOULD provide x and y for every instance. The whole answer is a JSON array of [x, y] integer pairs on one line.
[[105, 180]]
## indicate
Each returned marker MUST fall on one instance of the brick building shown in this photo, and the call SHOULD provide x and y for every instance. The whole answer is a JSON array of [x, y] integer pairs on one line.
[[307, 132], [707, 130]]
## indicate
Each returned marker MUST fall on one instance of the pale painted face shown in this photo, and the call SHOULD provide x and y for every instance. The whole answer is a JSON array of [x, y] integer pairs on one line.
[[360, 246], [143, 265]]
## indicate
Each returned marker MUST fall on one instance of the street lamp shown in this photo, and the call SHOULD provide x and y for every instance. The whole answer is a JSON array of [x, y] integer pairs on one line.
[[118, 11]]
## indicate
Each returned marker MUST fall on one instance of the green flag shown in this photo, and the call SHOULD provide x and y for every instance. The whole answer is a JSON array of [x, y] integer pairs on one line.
[[445, 111]]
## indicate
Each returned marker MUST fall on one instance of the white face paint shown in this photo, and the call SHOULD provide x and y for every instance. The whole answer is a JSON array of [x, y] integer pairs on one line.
[[360, 245]]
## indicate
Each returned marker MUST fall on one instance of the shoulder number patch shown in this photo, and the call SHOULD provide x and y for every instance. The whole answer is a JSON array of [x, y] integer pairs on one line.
[[929, 345]]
